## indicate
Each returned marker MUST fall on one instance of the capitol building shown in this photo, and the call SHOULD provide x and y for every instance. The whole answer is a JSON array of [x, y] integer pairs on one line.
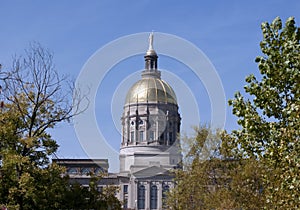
[[149, 148]]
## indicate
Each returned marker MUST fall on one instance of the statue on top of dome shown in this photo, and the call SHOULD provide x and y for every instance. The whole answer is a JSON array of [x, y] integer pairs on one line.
[[151, 41]]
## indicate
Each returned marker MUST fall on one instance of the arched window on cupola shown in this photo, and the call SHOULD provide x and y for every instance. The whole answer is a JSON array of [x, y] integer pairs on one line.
[[151, 136], [141, 135]]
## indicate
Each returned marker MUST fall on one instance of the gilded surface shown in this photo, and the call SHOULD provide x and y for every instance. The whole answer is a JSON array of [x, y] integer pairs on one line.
[[151, 90]]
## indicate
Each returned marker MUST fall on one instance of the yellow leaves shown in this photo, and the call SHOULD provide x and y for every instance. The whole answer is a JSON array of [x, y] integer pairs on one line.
[[36, 101], [25, 183], [11, 160], [29, 142]]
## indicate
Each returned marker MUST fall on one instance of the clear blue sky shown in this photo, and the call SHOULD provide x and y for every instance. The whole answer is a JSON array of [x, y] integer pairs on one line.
[[228, 32]]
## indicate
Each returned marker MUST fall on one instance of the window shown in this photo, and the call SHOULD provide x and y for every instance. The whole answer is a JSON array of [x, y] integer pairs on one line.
[[165, 189], [141, 135], [141, 197], [125, 205], [125, 189], [151, 135], [72, 171], [85, 171], [153, 197], [162, 136], [171, 137], [132, 136], [99, 170], [125, 195], [151, 123]]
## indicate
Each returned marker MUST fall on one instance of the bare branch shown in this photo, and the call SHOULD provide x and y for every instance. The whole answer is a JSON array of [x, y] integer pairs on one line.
[[39, 94]]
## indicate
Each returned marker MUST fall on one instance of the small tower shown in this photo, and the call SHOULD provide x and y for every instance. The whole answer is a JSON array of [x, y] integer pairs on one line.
[[150, 121], [149, 146]]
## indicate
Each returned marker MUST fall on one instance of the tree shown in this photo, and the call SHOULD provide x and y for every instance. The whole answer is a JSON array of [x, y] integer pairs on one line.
[[270, 116], [211, 179], [36, 98], [80, 197], [193, 184], [105, 199], [257, 166]]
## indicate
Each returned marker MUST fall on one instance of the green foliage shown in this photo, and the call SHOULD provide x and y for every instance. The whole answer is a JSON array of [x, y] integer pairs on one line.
[[24, 185], [212, 180], [257, 166], [201, 166], [30, 90], [34, 103], [270, 116], [92, 197]]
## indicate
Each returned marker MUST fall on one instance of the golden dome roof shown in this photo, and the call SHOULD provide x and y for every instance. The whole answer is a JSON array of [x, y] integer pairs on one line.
[[151, 90]]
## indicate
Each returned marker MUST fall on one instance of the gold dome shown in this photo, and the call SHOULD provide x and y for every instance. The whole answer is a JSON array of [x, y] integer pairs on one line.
[[151, 90]]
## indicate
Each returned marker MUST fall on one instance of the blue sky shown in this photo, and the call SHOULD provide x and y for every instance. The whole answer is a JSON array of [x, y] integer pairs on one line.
[[228, 33]]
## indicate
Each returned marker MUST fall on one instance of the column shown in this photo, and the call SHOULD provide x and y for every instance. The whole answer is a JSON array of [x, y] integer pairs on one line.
[[132, 194], [147, 195], [159, 196], [146, 130]]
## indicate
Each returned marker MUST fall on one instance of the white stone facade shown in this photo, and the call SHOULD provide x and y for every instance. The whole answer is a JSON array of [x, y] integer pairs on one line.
[[149, 147]]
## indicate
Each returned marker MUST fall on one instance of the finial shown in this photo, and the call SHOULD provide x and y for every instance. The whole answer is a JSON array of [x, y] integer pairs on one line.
[[151, 41]]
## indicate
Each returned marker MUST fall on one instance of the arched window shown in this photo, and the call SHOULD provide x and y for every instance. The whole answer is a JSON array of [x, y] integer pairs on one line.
[[153, 197], [151, 135], [99, 170], [141, 196], [165, 190], [132, 136], [85, 171], [72, 171], [141, 135]]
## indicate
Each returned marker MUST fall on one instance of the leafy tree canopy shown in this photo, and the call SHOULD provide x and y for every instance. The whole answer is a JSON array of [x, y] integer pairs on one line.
[[258, 165], [34, 99], [270, 116]]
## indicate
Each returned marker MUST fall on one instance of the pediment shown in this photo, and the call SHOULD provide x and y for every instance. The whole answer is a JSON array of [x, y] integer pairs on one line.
[[151, 171]]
